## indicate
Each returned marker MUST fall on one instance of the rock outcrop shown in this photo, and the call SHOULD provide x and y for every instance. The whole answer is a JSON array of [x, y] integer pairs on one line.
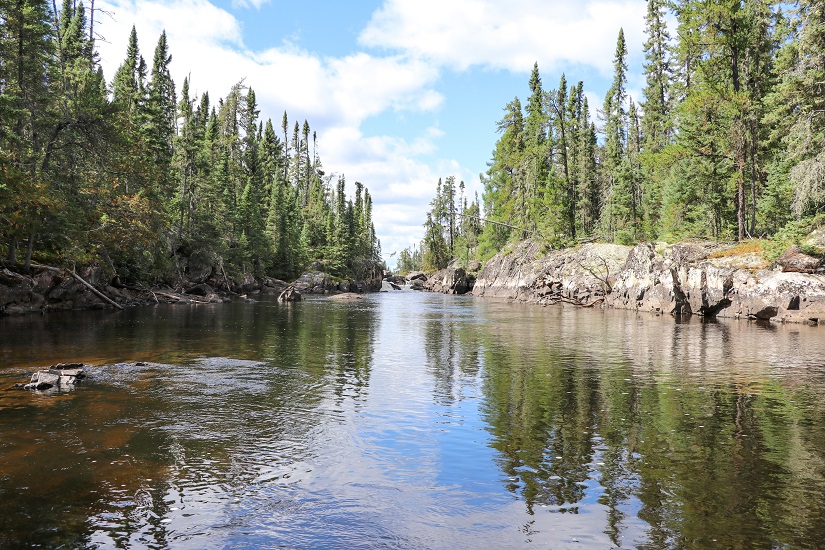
[[48, 289], [450, 280], [678, 279], [686, 279], [527, 273], [318, 282]]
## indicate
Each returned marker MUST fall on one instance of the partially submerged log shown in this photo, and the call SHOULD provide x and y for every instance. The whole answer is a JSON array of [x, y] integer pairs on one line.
[[291, 294]]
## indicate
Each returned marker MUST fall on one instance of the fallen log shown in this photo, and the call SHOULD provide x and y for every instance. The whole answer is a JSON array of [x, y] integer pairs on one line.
[[94, 290], [80, 279]]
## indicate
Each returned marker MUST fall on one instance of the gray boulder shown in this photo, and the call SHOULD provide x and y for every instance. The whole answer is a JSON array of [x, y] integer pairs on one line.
[[451, 280], [62, 376]]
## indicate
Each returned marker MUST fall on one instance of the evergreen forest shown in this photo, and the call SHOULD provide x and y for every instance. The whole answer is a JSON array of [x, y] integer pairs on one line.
[[146, 184], [727, 142]]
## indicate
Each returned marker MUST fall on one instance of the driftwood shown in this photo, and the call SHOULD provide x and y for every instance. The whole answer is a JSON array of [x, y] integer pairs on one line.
[[290, 294], [178, 297], [605, 279], [479, 218], [557, 297], [81, 280]]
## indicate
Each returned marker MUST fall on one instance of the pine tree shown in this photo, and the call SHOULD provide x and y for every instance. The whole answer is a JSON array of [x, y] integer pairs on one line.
[[534, 166], [125, 84], [563, 128], [161, 107], [503, 185]]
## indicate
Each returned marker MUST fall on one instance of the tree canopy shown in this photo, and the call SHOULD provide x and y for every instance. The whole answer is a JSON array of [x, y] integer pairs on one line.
[[727, 141], [147, 181]]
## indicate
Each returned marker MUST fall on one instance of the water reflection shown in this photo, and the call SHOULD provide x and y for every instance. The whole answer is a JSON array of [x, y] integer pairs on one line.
[[415, 421], [689, 434]]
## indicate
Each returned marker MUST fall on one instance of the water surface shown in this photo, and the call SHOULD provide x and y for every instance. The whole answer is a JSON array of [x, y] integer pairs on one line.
[[410, 420]]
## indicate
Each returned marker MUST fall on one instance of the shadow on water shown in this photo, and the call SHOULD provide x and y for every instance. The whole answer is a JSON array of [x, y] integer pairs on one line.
[[410, 420]]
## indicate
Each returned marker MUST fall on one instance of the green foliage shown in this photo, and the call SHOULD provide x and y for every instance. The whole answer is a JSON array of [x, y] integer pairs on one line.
[[144, 184], [793, 234], [728, 142]]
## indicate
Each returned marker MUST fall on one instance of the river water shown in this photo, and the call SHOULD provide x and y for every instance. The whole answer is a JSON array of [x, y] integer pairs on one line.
[[410, 420]]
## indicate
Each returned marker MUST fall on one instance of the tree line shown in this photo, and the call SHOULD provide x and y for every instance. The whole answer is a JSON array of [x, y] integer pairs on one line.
[[727, 141], [147, 184]]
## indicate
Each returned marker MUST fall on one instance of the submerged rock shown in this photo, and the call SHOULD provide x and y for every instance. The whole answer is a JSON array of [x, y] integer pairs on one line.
[[62, 375], [347, 297]]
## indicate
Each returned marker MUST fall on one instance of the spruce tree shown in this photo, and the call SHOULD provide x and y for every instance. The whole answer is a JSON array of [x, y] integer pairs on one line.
[[25, 72], [803, 82], [656, 124], [615, 142]]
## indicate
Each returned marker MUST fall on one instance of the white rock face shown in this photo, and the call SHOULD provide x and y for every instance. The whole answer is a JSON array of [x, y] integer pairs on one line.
[[679, 279]]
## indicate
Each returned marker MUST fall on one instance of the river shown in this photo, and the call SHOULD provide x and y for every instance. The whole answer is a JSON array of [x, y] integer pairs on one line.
[[409, 420]]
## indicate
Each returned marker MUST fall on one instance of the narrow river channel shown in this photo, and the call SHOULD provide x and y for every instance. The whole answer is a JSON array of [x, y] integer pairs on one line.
[[408, 420]]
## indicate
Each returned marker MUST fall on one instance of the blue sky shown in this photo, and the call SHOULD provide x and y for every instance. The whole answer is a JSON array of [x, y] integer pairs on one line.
[[400, 92]]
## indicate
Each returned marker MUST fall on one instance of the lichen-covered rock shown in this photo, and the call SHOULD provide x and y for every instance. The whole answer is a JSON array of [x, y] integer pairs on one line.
[[789, 297], [527, 273], [318, 282], [315, 282], [649, 283]]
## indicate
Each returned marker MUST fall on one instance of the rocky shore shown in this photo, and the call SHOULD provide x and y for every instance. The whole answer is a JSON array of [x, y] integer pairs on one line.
[[702, 278], [45, 289]]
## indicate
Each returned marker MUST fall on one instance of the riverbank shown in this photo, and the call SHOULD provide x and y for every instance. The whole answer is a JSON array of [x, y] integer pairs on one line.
[[43, 289], [704, 278]]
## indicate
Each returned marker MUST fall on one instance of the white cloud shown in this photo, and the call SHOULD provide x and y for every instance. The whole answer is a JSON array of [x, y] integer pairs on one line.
[[206, 42], [249, 3], [508, 35]]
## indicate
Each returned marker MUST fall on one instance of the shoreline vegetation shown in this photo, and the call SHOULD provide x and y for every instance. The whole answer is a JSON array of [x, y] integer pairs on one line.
[[130, 192], [140, 192]]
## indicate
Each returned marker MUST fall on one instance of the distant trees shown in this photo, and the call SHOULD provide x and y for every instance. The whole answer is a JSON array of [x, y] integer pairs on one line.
[[451, 231], [146, 184]]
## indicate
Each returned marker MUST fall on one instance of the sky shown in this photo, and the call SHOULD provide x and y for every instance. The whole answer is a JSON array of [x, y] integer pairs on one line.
[[400, 92]]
